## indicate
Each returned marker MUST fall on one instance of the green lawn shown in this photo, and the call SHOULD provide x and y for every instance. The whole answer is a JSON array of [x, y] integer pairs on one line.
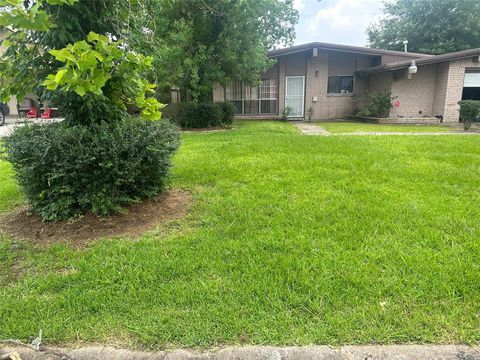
[[292, 239], [350, 126], [10, 194]]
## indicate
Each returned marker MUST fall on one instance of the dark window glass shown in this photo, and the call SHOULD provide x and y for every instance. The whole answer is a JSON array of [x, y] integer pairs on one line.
[[238, 105], [250, 107], [340, 85], [268, 106]]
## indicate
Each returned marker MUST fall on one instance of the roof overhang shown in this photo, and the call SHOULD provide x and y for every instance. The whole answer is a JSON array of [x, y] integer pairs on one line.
[[465, 54], [342, 48]]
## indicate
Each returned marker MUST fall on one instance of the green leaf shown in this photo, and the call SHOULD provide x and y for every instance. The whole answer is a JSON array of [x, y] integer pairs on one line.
[[60, 74], [61, 2], [80, 90], [91, 37]]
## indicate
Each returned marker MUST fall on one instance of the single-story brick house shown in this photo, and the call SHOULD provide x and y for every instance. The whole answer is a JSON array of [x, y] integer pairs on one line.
[[332, 79]]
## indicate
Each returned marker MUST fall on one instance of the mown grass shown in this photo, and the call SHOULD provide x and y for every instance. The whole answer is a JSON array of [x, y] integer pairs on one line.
[[350, 127], [10, 194], [291, 240]]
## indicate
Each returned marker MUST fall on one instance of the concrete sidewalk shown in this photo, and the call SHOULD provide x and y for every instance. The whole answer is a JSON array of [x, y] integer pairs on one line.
[[312, 129], [392, 352]]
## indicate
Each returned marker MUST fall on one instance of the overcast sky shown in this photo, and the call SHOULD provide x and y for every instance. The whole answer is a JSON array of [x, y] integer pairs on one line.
[[336, 21]]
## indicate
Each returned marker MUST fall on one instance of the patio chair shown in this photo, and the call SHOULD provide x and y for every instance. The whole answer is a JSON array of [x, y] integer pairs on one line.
[[47, 113], [28, 107], [32, 113]]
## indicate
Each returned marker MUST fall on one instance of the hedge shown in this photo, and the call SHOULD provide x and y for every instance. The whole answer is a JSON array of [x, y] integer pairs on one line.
[[200, 115], [469, 112]]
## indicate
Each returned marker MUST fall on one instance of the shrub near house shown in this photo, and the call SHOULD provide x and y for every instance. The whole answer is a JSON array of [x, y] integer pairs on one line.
[[201, 115], [377, 104], [469, 112]]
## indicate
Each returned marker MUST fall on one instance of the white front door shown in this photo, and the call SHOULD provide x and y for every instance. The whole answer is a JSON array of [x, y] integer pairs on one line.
[[294, 95]]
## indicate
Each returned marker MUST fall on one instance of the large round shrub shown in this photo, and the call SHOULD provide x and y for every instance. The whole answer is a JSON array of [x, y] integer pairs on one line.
[[68, 170]]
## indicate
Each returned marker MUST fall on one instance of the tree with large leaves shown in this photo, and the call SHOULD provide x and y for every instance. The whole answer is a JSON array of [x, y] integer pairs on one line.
[[196, 43], [99, 158], [430, 26], [55, 45]]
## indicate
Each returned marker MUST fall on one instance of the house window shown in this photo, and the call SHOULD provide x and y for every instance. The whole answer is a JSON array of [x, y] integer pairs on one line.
[[233, 93], [253, 100], [471, 85], [340, 85], [268, 96]]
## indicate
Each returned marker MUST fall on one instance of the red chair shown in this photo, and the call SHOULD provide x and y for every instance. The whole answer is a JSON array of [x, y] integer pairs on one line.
[[47, 114], [32, 113]]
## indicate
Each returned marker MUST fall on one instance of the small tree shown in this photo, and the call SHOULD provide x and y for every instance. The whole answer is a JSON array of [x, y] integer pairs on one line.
[[99, 159], [469, 112]]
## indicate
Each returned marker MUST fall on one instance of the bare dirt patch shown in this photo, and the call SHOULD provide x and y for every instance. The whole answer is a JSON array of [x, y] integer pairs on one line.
[[24, 225]]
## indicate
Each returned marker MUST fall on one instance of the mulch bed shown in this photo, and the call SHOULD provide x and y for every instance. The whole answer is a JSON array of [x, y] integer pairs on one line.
[[22, 224]]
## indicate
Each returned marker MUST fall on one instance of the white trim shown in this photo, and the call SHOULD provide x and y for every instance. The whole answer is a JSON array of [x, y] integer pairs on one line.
[[303, 94]]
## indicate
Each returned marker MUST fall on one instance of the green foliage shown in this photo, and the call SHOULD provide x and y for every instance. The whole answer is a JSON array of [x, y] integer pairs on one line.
[[68, 170], [90, 64], [201, 115], [198, 43], [377, 104], [26, 61], [286, 112], [430, 26], [228, 112], [94, 65], [14, 13], [469, 112]]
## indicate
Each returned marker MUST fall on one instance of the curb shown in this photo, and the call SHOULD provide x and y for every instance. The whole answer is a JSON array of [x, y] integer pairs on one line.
[[371, 352]]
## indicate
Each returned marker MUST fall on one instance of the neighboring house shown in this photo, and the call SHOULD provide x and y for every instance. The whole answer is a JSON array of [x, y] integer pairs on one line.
[[12, 104], [333, 79]]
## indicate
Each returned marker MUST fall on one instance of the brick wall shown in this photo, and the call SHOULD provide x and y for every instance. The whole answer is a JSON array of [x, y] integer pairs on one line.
[[441, 87], [434, 90], [456, 75], [415, 95], [331, 106]]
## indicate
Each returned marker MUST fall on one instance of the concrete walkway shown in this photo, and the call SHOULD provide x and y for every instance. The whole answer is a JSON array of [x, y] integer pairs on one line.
[[311, 129], [315, 130], [393, 352], [376, 133]]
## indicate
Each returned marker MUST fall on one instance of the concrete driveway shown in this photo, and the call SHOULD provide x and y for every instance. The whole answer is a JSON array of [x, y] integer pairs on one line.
[[11, 122]]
